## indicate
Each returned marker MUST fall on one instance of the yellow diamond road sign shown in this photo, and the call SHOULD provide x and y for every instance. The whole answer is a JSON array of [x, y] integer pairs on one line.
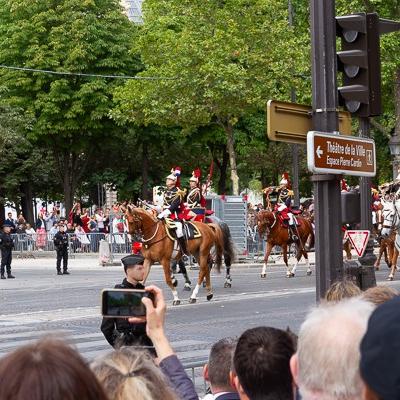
[[290, 122]]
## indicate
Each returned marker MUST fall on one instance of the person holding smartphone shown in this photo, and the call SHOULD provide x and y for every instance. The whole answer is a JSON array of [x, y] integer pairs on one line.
[[119, 331]]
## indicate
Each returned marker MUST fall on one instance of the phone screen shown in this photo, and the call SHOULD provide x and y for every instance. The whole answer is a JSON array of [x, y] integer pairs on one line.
[[123, 303]]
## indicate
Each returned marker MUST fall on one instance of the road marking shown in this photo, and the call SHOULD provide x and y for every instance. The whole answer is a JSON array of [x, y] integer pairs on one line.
[[91, 349], [77, 313]]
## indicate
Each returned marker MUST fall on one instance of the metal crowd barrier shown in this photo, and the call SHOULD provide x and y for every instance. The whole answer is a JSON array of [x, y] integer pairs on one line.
[[192, 366], [84, 243]]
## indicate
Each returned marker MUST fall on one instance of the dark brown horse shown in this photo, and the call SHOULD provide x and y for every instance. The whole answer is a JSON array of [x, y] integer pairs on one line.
[[270, 226], [157, 246]]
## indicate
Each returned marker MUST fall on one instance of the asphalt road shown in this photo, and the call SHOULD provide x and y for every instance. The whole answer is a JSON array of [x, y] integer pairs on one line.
[[38, 302]]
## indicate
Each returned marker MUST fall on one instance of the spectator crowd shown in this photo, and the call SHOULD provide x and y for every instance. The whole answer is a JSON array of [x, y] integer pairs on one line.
[[347, 348], [85, 227]]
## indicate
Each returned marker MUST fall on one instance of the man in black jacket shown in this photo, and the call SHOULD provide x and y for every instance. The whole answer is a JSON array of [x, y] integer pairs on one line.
[[6, 246], [61, 245], [118, 331]]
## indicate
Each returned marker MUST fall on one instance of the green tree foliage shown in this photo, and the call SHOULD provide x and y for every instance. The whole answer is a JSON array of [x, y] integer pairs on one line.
[[224, 58], [70, 115]]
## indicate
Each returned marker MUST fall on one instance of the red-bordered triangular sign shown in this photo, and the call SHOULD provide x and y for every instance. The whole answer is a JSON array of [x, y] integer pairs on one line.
[[359, 240]]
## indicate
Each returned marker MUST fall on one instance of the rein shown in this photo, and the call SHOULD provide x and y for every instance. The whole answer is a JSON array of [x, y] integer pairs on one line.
[[147, 242], [275, 220], [154, 235]]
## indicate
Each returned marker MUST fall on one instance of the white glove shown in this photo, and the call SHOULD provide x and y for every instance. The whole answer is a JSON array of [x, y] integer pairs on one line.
[[164, 214]]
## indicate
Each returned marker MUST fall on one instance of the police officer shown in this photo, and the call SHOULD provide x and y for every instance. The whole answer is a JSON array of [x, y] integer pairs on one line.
[[6, 246], [61, 245], [118, 331]]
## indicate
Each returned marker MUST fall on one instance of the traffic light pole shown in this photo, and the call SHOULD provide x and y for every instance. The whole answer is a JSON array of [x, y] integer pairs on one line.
[[368, 259], [328, 248]]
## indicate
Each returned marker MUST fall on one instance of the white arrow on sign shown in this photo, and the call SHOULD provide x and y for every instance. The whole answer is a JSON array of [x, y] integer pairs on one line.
[[319, 151]]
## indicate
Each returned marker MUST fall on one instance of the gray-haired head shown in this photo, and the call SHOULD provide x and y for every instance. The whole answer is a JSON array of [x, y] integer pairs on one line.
[[328, 352], [220, 361]]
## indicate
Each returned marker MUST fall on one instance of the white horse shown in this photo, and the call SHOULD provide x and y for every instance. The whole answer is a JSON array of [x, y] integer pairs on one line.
[[391, 221]]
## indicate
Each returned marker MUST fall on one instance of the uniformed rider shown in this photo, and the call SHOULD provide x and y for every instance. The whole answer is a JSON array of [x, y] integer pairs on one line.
[[194, 197], [284, 203], [173, 198]]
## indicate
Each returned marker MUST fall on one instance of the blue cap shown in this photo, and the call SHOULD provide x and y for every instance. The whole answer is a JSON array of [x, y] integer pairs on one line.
[[132, 260], [380, 351]]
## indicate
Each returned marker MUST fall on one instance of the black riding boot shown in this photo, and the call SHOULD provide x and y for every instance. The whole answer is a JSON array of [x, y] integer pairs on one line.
[[293, 235], [182, 245]]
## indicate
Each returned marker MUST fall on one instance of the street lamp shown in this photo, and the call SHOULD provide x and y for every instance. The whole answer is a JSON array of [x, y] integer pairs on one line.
[[394, 146]]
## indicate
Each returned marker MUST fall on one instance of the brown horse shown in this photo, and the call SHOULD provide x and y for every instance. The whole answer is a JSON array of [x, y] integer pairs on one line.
[[157, 246], [278, 235]]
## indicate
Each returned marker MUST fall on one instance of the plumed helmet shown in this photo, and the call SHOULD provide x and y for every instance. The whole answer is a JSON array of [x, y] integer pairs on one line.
[[175, 175], [285, 180], [196, 174]]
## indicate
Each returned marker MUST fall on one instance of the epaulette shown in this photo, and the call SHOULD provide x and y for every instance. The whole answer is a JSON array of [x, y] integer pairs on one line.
[[290, 193], [181, 193]]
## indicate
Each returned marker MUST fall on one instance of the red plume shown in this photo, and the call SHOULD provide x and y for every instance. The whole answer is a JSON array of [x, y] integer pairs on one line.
[[285, 175]]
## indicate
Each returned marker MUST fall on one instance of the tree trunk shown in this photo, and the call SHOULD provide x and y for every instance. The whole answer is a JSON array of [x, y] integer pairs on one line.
[[397, 97], [223, 167], [2, 208], [71, 167], [27, 202], [230, 144], [145, 171], [395, 162]]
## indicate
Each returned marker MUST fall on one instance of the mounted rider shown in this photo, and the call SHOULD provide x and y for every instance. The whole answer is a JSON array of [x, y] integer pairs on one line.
[[173, 200], [195, 202], [284, 196]]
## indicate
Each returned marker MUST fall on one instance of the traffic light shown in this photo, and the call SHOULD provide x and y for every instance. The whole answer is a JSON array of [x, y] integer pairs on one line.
[[359, 60]]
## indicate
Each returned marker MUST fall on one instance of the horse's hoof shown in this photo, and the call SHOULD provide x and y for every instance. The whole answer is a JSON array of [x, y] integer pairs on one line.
[[187, 288], [176, 302], [175, 283], [389, 278], [210, 296], [376, 268], [192, 300], [227, 285], [308, 273], [290, 275], [263, 276]]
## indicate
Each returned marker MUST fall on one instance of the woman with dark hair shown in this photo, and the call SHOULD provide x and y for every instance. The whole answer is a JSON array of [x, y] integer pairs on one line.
[[47, 370]]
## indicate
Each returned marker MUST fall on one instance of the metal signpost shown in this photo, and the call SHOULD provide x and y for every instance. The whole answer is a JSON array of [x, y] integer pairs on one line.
[[328, 248]]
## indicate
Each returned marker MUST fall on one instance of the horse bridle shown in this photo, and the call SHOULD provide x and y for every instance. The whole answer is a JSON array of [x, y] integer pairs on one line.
[[396, 217], [137, 219]]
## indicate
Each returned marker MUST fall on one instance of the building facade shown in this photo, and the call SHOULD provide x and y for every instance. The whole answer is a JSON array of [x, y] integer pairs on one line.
[[134, 10]]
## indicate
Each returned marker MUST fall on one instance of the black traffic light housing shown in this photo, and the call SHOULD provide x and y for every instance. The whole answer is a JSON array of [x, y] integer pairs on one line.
[[359, 60]]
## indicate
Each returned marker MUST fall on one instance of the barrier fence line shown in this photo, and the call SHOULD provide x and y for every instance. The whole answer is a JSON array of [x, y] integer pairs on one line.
[[119, 243], [78, 243]]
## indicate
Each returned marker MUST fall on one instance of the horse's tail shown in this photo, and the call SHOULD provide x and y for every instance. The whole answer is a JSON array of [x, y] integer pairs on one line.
[[229, 250], [312, 239], [219, 245]]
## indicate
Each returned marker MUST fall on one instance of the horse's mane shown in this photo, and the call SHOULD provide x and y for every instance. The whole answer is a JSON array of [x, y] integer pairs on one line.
[[142, 211]]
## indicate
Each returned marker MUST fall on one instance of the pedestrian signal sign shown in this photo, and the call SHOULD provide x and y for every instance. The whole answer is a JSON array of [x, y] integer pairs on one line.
[[359, 240]]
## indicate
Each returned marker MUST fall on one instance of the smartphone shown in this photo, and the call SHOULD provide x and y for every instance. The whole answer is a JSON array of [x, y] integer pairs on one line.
[[123, 303]]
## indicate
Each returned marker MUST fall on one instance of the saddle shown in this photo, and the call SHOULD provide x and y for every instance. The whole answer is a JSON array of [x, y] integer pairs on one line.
[[190, 230]]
